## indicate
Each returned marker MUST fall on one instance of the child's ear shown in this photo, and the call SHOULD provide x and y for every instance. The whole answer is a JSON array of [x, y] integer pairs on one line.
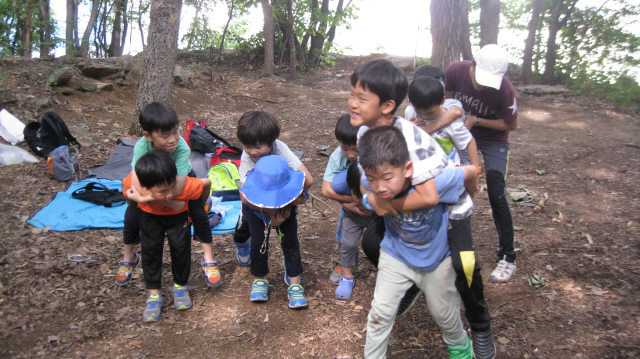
[[147, 136], [388, 106], [408, 169]]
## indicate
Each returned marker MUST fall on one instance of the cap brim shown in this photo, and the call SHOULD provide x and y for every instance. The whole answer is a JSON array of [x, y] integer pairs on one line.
[[486, 79], [273, 198]]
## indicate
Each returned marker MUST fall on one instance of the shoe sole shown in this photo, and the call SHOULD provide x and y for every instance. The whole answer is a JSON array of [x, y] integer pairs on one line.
[[298, 306], [258, 299]]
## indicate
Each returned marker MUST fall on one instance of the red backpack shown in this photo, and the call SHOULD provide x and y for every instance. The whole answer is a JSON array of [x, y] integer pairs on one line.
[[226, 154], [190, 125]]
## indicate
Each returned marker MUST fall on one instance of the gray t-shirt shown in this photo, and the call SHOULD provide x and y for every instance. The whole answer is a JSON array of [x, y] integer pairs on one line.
[[278, 148]]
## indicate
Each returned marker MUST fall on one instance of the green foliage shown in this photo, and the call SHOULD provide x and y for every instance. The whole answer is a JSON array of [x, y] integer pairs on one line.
[[620, 93]]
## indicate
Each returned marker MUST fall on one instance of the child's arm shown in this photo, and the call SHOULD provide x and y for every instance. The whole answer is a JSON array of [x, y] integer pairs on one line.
[[308, 182], [346, 201], [180, 182], [471, 180], [425, 196], [444, 119], [206, 189]]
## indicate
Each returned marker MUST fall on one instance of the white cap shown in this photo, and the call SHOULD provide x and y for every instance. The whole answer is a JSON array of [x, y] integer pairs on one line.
[[491, 64]]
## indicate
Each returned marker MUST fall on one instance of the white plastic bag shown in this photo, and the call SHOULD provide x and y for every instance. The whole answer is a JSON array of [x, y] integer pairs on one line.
[[12, 155], [11, 129], [217, 206]]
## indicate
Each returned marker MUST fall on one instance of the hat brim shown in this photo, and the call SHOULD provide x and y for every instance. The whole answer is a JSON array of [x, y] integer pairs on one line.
[[487, 79], [277, 198]]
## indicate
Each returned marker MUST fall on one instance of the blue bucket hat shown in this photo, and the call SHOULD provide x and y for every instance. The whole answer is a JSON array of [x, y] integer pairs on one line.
[[272, 184]]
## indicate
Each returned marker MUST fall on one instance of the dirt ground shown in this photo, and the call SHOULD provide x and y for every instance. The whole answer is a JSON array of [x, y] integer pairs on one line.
[[583, 243]]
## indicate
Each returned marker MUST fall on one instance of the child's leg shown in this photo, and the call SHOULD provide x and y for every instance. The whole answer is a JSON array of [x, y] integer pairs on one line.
[[180, 246], [202, 228], [151, 243], [443, 302], [334, 277], [468, 278], [371, 238], [291, 247], [392, 282], [259, 254], [242, 234], [131, 231], [352, 229]]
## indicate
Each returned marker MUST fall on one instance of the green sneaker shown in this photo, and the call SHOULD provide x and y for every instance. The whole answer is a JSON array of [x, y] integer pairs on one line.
[[153, 308], [181, 299], [296, 296], [461, 351]]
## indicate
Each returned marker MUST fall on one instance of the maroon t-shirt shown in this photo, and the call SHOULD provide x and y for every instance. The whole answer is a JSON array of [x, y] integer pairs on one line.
[[488, 103]]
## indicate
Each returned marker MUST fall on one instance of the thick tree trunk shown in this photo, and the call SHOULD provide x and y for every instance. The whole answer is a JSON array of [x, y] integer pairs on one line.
[[84, 45], [125, 26], [489, 21], [527, 57], [44, 28], [445, 32], [268, 68], [317, 39], [555, 24], [291, 39], [467, 54], [114, 47], [156, 83], [26, 30], [70, 26]]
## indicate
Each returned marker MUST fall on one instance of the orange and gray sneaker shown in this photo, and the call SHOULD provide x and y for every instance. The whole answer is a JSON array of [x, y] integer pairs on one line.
[[211, 273], [126, 269], [335, 276]]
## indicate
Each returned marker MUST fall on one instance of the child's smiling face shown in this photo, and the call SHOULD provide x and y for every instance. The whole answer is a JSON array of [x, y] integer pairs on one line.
[[365, 107], [257, 151], [166, 141], [388, 181]]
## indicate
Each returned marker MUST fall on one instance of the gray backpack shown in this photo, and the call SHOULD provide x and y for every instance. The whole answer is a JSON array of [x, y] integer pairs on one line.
[[63, 164]]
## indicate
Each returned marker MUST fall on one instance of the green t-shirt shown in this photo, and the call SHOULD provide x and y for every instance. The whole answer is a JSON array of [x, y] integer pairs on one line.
[[180, 156]]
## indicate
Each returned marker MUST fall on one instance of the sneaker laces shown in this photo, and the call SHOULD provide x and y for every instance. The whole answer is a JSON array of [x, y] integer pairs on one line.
[[211, 271], [296, 292]]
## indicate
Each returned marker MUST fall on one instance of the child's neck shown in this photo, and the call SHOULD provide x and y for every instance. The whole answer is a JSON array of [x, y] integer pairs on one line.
[[384, 120]]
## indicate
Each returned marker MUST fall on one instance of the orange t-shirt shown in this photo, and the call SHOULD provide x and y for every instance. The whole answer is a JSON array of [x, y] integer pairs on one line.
[[192, 190]]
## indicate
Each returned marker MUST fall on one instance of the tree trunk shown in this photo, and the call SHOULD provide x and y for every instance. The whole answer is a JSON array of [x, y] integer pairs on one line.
[[156, 83], [114, 47], [527, 57], [489, 21], [44, 28], [445, 32], [226, 27], [317, 39], [84, 45], [555, 24], [26, 30], [467, 54], [290, 37], [140, 12], [125, 26], [70, 25], [331, 34], [269, 40]]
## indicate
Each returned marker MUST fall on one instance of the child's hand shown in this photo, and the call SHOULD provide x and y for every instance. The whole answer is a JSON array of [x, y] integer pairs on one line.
[[381, 206], [416, 121], [134, 195], [357, 208], [280, 216], [300, 200]]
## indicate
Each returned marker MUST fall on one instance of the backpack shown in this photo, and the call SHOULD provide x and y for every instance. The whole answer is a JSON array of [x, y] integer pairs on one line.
[[204, 140], [48, 134], [226, 154], [100, 194], [190, 125], [224, 181], [63, 164]]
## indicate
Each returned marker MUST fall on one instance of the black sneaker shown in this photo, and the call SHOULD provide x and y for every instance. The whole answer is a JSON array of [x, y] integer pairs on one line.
[[409, 299], [483, 345]]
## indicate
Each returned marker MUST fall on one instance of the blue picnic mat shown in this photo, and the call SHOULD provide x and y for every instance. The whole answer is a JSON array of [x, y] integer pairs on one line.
[[65, 213]]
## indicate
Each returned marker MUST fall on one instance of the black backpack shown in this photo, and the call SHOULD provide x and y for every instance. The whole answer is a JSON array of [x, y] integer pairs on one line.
[[206, 141], [48, 134], [100, 194]]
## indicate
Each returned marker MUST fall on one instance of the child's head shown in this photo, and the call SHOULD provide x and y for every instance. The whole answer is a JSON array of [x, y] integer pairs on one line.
[[426, 95], [160, 126], [384, 157], [347, 135], [353, 180], [157, 172], [429, 71], [377, 89], [257, 131]]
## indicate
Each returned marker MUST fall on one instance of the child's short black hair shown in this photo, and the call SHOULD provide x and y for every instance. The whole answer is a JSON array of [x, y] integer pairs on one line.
[[158, 116], [425, 92], [382, 145], [382, 78], [346, 133], [258, 128], [353, 179], [429, 71], [156, 168]]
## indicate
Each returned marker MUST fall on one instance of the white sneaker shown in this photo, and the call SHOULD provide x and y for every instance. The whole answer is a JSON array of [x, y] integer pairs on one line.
[[503, 272]]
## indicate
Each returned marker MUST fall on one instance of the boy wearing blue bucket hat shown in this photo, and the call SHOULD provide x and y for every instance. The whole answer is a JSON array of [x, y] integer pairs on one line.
[[270, 193]]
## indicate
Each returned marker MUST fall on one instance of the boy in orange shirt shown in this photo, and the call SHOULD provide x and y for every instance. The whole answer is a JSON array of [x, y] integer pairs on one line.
[[157, 173]]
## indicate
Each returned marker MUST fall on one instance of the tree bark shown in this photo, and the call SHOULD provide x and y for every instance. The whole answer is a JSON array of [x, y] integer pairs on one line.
[[72, 9], [156, 83], [290, 38], [489, 21], [44, 28], [467, 54], [527, 57], [140, 12], [317, 39], [114, 47], [26, 30], [226, 27], [84, 45], [555, 24], [125, 26], [445, 32], [268, 68]]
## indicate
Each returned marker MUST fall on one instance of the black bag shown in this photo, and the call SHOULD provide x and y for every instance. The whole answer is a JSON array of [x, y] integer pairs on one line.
[[100, 194], [48, 134], [206, 141]]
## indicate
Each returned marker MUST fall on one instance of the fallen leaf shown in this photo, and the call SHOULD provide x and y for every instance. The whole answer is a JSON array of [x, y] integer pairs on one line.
[[135, 342], [36, 230], [357, 335], [266, 319], [504, 340]]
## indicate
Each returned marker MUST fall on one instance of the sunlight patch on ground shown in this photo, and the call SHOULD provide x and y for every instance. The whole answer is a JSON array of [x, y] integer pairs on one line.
[[576, 125], [537, 115]]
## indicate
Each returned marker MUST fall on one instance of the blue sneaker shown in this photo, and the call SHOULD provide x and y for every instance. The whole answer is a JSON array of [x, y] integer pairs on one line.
[[287, 281], [345, 288], [259, 290], [296, 296], [154, 306], [181, 299], [244, 253], [126, 270]]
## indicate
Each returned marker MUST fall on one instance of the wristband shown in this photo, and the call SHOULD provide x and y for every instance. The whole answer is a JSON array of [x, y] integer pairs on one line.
[[364, 202], [477, 121]]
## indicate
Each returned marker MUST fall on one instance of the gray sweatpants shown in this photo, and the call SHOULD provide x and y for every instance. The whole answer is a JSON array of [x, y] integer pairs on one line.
[[353, 226]]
